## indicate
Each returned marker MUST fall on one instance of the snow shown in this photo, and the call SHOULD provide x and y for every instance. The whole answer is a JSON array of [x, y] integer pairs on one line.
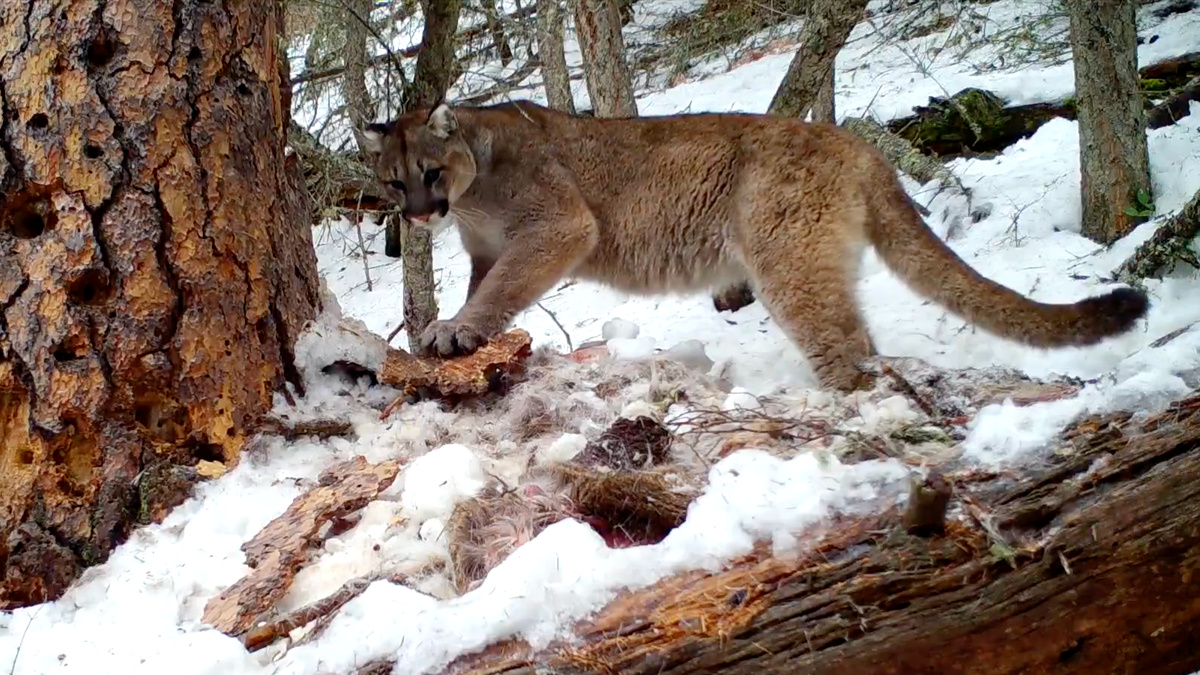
[[437, 481], [140, 611], [567, 571]]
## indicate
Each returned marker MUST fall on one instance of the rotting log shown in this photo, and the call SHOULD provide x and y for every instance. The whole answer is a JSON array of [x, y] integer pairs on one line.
[[1171, 243], [988, 126], [1174, 107], [156, 266], [939, 128], [277, 553], [1086, 562]]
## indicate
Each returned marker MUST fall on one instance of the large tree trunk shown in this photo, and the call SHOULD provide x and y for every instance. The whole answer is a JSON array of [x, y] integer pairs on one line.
[[156, 266], [1113, 160], [432, 78], [609, 83], [808, 84], [1087, 563], [555, 76]]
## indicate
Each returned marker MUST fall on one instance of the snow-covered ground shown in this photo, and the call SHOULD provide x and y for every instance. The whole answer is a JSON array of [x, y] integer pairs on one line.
[[140, 612]]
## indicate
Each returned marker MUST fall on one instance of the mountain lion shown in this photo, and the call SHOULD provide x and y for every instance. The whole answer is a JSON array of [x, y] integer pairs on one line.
[[685, 203]]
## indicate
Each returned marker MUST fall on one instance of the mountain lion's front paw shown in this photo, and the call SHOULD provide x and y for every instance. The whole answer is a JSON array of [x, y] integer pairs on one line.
[[450, 338]]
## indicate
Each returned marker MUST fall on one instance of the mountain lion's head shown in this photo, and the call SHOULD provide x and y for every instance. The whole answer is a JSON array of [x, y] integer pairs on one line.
[[422, 161]]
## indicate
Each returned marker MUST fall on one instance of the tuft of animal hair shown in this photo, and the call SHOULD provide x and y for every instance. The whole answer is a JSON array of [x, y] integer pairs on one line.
[[483, 531], [629, 508]]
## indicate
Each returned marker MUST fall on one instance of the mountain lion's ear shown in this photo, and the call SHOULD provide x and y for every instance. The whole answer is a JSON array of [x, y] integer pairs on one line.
[[442, 121], [370, 139]]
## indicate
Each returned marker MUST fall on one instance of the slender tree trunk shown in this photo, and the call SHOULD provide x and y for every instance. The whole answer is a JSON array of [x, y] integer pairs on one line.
[[1113, 160], [496, 30], [808, 84], [359, 106], [555, 77], [433, 76], [156, 266], [609, 83]]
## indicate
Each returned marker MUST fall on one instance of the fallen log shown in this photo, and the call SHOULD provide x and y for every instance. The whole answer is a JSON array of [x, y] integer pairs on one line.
[[974, 122], [1087, 561], [1170, 243], [490, 369], [1175, 107]]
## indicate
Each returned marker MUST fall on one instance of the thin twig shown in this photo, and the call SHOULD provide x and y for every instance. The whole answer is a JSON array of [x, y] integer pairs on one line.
[[570, 346], [362, 247], [264, 634], [396, 331], [17, 654]]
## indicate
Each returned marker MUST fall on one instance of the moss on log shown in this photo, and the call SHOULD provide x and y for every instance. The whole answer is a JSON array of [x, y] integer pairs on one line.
[[975, 122]]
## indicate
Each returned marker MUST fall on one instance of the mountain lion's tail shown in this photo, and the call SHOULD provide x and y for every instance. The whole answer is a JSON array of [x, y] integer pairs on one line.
[[932, 269]]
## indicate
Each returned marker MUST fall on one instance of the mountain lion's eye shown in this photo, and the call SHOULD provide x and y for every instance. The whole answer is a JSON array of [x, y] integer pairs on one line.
[[397, 185], [431, 176]]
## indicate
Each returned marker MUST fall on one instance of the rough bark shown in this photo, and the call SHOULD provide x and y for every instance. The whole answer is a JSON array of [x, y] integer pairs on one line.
[[1088, 563], [156, 265], [555, 77], [808, 83], [1171, 243], [280, 549], [609, 82], [432, 78], [1114, 162]]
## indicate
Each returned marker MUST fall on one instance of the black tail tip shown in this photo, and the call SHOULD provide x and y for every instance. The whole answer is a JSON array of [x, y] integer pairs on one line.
[[1119, 309]]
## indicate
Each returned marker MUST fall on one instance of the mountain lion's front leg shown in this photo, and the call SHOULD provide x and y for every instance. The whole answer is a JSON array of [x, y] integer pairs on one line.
[[479, 268], [533, 261]]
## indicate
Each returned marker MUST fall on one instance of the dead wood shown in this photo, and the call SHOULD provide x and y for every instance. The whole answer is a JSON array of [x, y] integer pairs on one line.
[[1173, 68], [941, 129], [265, 633], [492, 368], [291, 431], [972, 123], [1087, 562], [1171, 243], [278, 552], [903, 154], [1175, 107]]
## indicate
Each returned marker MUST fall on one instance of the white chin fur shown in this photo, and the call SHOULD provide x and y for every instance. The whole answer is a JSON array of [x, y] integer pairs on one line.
[[437, 223]]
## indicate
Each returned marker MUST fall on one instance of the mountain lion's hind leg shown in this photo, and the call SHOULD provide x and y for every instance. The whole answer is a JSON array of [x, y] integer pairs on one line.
[[808, 287]]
